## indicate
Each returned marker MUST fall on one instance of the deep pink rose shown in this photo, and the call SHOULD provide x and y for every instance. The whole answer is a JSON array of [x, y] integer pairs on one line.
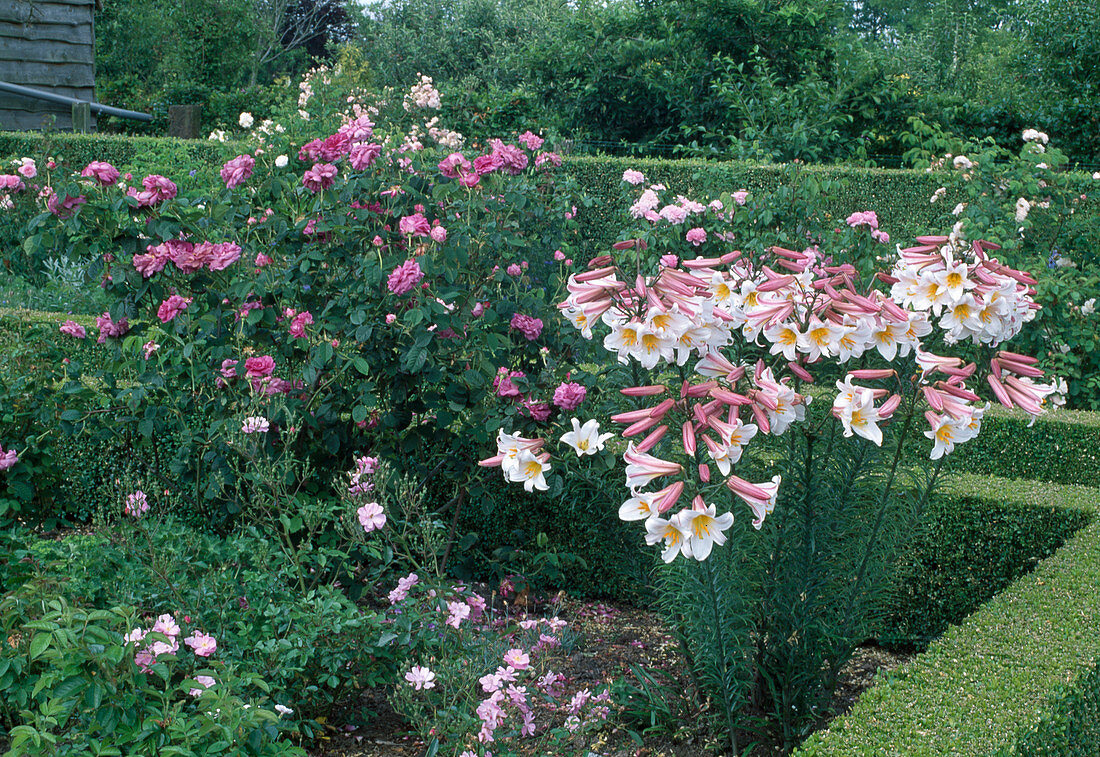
[[104, 173], [528, 326], [320, 177], [531, 141], [454, 165], [223, 255], [335, 147], [502, 383], [311, 151], [569, 396], [513, 160], [299, 323], [259, 367], [171, 307], [109, 328], [405, 277], [238, 170], [64, 208], [484, 164], [74, 329]]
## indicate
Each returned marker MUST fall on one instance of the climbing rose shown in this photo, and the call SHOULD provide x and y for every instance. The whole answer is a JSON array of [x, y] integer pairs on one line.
[[171, 307], [237, 171]]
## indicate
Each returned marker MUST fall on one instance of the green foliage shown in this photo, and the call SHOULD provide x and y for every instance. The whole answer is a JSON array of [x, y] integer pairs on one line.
[[312, 646], [69, 685], [1016, 677]]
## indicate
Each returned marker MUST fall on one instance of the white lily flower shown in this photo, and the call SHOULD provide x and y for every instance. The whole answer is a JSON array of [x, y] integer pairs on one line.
[[586, 439]]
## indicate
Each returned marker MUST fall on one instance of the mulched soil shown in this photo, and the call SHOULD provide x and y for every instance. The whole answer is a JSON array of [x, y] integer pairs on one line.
[[615, 637]]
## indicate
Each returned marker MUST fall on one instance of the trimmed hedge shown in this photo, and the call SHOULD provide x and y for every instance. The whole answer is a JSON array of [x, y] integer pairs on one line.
[[1019, 677], [1062, 447], [171, 157]]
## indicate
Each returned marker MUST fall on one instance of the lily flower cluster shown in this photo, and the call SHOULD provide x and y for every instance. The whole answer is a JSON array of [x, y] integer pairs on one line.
[[794, 310]]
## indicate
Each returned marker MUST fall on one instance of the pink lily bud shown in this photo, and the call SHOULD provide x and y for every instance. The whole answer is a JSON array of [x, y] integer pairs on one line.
[[999, 391], [776, 284], [632, 416], [957, 391], [688, 434], [640, 426], [784, 253], [651, 440], [661, 408], [702, 263], [649, 390], [592, 275], [933, 397], [886, 278], [704, 473], [761, 418], [668, 496], [1017, 357], [626, 244], [491, 462], [728, 397], [743, 488], [697, 503], [872, 373], [599, 261], [801, 372], [700, 390], [889, 406]]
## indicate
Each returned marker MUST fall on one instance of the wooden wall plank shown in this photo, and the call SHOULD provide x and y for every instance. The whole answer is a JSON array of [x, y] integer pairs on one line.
[[33, 74], [22, 121], [45, 51], [79, 35], [38, 12]]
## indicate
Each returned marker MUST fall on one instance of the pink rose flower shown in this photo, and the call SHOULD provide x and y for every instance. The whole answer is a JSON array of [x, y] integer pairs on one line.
[[420, 678], [439, 234], [206, 681], [538, 411], [569, 396], [102, 172], [259, 367], [64, 208], [263, 260], [74, 329], [405, 277], [171, 307], [203, 644], [517, 658], [513, 270], [8, 459], [740, 196], [11, 183], [696, 236], [320, 177], [547, 157], [229, 368], [528, 326], [237, 171], [108, 328], [503, 385], [363, 155], [335, 147], [531, 141], [27, 169], [484, 164], [311, 151], [415, 225], [371, 516], [513, 160], [299, 323], [223, 255], [630, 176]]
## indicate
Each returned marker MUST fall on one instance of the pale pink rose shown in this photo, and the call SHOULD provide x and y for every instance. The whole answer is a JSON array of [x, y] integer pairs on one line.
[[631, 176], [8, 459], [517, 658], [371, 516], [415, 225], [439, 234], [696, 236], [202, 644], [390, 317], [206, 681], [531, 141], [513, 270], [11, 183], [27, 169], [740, 196], [547, 157]]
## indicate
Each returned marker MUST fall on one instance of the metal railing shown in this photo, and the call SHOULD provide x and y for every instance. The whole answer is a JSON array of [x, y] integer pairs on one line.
[[99, 108]]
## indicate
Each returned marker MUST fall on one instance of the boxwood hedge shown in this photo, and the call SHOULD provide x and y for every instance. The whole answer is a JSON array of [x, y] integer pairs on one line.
[[1018, 677]]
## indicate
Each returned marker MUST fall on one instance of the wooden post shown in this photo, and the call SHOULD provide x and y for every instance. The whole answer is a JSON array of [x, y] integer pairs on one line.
[[82, 118], [183, 121]]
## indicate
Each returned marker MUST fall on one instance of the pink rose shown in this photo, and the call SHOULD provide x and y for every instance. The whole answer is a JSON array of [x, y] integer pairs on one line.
[[696, 236], [528, 326], [108, 328], [74, 329], [335, 147], [531, 141], [11, 183], [311, 151], [513, 270], [547, 157], [259, 367], [513, 160], [454, 165], [415, 225], [27, 169], [371, 517], [8, 459], [439, 234], [203, 644], [503, 385], [405, 277], [320, 177], [237, 171], [538, 411], [569, 396], [740, 196], [64, 208], [171, 307], [263, 260], [484, 164], [102, 172], [362, 155], [298, 325]]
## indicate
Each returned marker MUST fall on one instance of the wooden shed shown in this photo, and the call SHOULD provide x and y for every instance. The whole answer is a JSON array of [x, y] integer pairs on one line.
[[48, 45]]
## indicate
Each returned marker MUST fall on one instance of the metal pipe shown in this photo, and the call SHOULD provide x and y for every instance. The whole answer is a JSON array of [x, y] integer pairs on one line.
[[37, 94]]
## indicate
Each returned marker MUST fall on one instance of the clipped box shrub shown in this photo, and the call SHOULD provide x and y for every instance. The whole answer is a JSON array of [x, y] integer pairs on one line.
[[1018, 677]]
